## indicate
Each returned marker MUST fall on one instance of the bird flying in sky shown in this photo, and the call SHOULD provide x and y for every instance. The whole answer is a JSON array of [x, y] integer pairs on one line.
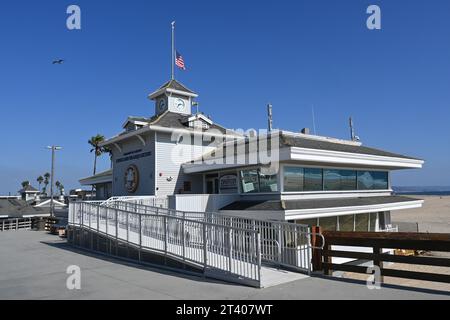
[[59, 61]]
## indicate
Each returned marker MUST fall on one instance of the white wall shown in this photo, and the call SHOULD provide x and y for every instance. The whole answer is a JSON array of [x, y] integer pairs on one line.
[[202, 202], [170, 155]]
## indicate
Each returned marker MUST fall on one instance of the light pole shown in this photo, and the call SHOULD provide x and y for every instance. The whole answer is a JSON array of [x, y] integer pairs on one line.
[[52, 208]]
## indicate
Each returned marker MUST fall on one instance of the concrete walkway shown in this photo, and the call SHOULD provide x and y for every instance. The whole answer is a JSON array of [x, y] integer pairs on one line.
[[33, 266]]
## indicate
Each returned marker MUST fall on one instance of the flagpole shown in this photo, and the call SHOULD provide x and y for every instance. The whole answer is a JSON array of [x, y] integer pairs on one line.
[[173, 50]]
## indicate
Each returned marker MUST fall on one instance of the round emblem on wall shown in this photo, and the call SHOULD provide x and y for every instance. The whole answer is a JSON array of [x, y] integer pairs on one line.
[[131, 179]]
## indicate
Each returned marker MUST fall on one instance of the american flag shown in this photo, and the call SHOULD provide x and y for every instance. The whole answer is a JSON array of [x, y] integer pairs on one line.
[[179, 61]]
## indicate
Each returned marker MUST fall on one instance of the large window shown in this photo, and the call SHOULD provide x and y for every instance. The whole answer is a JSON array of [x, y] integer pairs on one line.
[[250, 181], [293, 179], [339, 180], [299, 179], [313, 179], [267, 181], [373, 180], [258, 180]]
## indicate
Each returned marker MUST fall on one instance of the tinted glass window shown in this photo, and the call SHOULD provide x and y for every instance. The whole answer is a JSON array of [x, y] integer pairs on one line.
[[373, 180], [250, 183], [267, 181], [335, 180], [313, 179], [293, 179]]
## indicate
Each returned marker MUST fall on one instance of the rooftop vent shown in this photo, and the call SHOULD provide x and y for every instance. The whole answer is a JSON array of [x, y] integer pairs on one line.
[[305, 131]]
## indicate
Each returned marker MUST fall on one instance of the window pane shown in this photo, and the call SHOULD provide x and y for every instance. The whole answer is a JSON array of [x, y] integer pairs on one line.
[[373, 180], [249, 180], [267, 181], [313, 179], [336, 180], [346, 223], [373, 222], [328, 224], [362, 222], [293, 179]]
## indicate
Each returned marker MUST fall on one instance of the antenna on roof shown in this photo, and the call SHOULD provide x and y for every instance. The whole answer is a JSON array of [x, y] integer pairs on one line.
[[269, 116], [353, 137], [313, 119]]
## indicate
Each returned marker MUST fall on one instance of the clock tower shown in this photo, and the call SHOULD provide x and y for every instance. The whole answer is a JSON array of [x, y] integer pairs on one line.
[[174, 97]]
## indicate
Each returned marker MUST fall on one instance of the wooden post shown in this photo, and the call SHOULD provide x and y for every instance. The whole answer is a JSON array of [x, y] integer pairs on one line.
[[377, 262], [316, 253]]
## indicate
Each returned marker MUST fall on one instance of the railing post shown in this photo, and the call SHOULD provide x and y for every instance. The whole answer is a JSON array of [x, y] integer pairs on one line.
[[230, 249], [98, 218], [116, 215], [205, 248], [17, 224], [258, 255], [183, 234], [280, 242], [106, 220], [316, 253], [3, 225], [140, 231], [165, 233], [378, 262], [128, 227]]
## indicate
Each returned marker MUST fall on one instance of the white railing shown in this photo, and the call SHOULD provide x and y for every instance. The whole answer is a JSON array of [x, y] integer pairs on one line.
[[152, 201], [223, 251], [282, 243]]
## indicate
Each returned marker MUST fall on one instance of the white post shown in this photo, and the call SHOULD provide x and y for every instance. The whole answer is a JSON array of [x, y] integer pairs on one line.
[[230, 249], [205, 248], [173, 51], [165, 234], [183, 234], [258, 255]]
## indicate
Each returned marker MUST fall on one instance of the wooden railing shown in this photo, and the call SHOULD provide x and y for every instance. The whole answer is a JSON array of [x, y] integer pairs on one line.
[[16, 224], [322, 259]]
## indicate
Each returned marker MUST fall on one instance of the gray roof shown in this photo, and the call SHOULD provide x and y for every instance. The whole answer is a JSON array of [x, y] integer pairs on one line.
[[176, 120], [17, 208], [301, 142], [277, 205], [174, 84]]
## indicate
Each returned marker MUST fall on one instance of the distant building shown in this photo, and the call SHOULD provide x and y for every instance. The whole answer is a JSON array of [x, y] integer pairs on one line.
[[28, 193]]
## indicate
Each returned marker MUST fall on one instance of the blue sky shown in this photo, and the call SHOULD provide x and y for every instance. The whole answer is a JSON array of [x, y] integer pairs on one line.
[[240, 56]]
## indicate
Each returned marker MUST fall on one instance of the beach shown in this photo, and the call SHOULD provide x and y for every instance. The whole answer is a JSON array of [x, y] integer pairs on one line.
[[433, 217]]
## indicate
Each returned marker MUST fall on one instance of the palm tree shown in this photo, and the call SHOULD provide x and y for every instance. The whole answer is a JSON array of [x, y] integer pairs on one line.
[[46, 182], [95, 142], [25, 184], [39, 180], [57, 184]]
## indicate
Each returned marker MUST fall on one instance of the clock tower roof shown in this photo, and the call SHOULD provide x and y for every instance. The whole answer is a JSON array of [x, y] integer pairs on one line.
[[173, 86]]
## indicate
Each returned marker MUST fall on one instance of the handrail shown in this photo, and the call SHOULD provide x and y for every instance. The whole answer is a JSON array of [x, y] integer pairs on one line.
[[194, 241]]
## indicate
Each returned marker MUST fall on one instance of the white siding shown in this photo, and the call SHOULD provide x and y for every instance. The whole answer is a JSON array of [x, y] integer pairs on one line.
[[146, 166], [170, 155]]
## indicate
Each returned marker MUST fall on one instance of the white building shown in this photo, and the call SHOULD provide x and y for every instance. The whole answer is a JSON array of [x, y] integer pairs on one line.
[[176, 154]]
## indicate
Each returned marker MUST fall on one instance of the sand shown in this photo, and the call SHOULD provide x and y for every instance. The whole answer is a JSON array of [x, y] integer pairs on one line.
[[433, 217]]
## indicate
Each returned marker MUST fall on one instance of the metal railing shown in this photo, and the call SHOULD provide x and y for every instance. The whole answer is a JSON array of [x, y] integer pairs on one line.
[[161, 202], [283, 244], [223, 251]]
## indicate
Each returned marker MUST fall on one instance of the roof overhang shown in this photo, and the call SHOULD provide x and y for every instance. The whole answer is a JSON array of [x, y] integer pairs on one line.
[[162, 91], [97, 179], [355, 159], [156, 128], [343, 211]]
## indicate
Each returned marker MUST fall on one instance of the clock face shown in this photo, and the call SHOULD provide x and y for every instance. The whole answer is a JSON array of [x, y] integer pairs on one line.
[[179, 104], [161, 104]]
